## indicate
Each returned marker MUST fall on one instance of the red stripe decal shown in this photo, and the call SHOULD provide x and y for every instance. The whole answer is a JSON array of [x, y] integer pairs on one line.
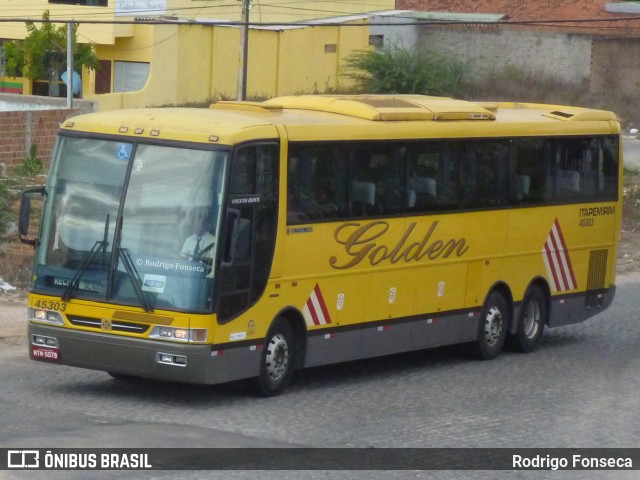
[[557, 261], [323, 306], [312, 311]]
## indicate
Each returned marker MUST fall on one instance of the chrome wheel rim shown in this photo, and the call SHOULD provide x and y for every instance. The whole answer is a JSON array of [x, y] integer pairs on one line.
[[532, 317], [277, 358], [493, 324]]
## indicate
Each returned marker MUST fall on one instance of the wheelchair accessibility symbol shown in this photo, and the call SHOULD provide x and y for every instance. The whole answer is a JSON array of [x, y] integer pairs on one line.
[[123, 151]]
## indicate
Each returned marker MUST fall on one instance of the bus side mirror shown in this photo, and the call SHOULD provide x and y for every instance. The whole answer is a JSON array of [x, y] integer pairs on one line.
[[25, 213], [231, 235]]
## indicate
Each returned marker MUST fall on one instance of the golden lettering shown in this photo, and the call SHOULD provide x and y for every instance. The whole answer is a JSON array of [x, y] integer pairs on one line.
[[366, 241], [452, 244], [357, 238]]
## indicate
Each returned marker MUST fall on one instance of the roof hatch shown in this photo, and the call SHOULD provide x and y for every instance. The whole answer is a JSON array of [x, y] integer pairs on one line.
[[387, 107], [575, 114]]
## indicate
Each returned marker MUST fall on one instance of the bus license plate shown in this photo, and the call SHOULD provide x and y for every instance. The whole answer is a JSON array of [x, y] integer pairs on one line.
[[45, 353]]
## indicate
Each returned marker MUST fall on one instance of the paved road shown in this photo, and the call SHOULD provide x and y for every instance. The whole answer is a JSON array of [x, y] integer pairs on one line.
[[580, 389], [631, 152]]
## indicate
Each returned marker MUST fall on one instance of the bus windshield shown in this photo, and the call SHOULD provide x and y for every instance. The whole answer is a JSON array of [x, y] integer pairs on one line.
[[132, 224]]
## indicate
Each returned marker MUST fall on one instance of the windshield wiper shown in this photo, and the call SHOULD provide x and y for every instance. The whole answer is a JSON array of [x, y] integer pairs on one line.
[[75, 281], [136, 281], [98, 247]]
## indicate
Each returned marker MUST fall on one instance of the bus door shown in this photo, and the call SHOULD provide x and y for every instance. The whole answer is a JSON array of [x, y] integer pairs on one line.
[[251, 220]]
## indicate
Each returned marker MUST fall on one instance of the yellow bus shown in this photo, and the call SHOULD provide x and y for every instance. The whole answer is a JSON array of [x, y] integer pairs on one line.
[[251, 239]]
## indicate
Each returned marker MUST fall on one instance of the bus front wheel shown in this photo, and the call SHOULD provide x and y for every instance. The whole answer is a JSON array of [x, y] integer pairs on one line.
[[276, 365], [531, 320], [492, 327]]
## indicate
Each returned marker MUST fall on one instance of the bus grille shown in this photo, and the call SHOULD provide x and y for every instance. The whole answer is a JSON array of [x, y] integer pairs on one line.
[[596, 278], [108, 324]]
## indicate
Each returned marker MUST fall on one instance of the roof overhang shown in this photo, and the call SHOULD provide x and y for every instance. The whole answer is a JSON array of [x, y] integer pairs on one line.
[[460, 17], [622, 7]]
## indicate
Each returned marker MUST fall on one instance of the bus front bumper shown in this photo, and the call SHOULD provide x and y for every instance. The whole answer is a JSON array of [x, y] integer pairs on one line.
[[141, 357]]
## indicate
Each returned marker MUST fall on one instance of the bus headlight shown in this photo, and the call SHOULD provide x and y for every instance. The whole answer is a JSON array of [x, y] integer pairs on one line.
[[45, 316], [193, 335]]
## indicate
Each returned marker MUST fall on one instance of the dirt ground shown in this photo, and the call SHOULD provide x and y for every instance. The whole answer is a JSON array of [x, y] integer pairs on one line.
[[628, 253], [13, 318]]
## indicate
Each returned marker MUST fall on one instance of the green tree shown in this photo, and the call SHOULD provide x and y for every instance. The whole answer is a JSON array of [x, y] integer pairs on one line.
[[401, 70], [44, 51], [11, 185]]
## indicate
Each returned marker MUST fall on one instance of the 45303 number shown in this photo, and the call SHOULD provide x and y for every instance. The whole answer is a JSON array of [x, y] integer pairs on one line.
[[586, 222], [50, 305]]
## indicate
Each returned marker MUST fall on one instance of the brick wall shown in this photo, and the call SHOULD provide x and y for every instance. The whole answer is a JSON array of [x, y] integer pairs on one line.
[[22, 129]]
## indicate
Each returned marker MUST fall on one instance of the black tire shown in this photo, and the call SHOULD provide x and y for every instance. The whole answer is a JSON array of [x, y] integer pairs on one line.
[[531, 320], [278, 357], [492, 327]]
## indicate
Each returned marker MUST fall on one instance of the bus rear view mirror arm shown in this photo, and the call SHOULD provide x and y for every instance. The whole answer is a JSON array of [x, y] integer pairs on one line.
[[25, 213]]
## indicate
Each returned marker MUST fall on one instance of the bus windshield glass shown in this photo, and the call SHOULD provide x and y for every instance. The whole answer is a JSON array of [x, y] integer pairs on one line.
[[132, 224]]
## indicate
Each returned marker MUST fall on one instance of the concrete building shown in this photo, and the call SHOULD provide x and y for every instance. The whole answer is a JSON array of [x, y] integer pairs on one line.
[[592, 42]]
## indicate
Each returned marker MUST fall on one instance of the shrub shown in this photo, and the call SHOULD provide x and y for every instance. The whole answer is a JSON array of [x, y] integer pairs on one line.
[[10, 189], [400, 70]]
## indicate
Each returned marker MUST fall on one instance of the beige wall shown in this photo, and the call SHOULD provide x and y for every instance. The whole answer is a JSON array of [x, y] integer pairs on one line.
[[99, 33], [195, 63], [262, 11], [200, 63]]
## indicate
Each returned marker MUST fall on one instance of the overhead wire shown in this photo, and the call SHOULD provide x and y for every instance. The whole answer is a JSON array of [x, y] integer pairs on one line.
[[65, 14], [139, 19], [61, 14], [315, 22], [142, 16], [159, 42]]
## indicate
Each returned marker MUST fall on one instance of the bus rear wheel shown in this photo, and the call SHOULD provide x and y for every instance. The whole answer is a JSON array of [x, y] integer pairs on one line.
[[492, 328], [531, 320], [276, 365]]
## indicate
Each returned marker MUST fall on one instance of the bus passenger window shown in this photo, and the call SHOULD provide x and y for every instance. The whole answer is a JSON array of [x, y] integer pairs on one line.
[[530, 166], [314, 185], [423, 161], [378, 185], [570, 159], [467, 178], [522, 187], [608, 168], [493, 160], [423, 184], [363, 198], [243, 172]]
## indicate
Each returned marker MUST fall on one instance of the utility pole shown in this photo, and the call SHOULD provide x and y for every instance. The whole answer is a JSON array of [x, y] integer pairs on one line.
[[244, 51], [70, 65]]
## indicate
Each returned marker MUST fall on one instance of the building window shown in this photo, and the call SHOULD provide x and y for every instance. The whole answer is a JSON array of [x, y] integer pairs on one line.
[[376, 41], [92, 3], [330, 48], [130, 76], [103, 77]]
